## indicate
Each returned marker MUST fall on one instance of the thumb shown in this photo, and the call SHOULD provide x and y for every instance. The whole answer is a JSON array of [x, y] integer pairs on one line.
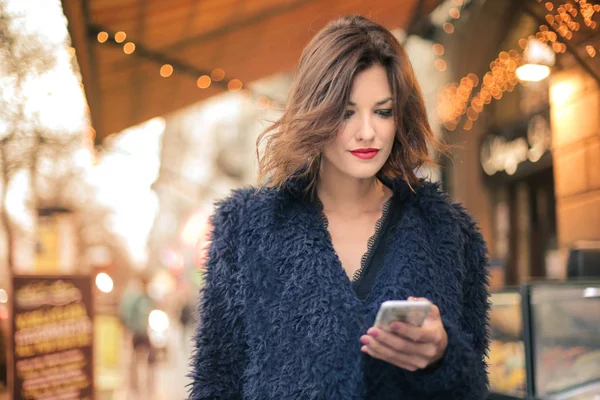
[[434, 313], [412, 298]]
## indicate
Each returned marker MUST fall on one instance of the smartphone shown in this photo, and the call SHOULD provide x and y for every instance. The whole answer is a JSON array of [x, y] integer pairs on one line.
[[410, 312]]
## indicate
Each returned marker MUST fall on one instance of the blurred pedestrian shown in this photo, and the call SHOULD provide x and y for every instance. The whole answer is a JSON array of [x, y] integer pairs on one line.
[[136, 307]]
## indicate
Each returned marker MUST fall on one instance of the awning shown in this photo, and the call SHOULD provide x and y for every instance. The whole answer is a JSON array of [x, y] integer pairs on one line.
[[187, 39]]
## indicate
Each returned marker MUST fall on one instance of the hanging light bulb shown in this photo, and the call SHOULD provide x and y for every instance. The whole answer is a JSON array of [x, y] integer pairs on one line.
[[538, 60]]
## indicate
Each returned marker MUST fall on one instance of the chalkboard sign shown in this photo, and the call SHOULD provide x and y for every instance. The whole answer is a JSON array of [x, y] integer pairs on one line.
[[52, 337]]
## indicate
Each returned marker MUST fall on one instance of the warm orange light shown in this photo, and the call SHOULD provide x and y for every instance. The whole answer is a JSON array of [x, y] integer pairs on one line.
[[450, 125], [523, 43], [217, 75], [438, 49], [454, 13], [234, 85], [262, 102], [203, 82], [440, 64], [591, 51], [468, 125], [448, 27], [473, 78], [511, 65], [120, 37], [102, 37], [129, 48], [563, 29], [496, 93], [556, 47], [166, 70]]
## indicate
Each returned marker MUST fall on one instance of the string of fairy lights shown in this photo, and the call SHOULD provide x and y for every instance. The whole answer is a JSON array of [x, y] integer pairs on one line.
[[166, 68], [454, 14], [458, 104], [204, 79], [458, 100]]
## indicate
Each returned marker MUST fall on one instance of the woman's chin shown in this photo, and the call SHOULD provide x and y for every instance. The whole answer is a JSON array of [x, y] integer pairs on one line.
[[363, 173]]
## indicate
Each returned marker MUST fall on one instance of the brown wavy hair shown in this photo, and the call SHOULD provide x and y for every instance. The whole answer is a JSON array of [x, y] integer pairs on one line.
[[318, 96]]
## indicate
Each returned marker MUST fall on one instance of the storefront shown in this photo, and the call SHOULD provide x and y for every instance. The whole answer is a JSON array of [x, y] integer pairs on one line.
[[527, 167], [527, 149], [516, 166]]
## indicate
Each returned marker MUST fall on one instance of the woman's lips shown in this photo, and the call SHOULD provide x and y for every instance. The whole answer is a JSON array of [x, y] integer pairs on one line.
[[365, 154]]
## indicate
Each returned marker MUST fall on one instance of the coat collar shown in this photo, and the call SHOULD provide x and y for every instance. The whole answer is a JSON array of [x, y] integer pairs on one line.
[[295, 188]]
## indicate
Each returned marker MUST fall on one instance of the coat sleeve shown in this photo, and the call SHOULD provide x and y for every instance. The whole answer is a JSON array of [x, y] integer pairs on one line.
[[462, 373], [219, 360]]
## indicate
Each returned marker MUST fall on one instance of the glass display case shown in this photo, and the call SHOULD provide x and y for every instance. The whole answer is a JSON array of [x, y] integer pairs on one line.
[[506, 362], [545, 341]]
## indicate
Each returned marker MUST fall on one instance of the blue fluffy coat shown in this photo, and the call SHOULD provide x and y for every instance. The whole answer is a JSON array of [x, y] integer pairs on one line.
[[280, 320]]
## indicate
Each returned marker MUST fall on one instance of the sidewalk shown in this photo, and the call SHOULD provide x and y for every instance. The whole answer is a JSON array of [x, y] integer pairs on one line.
[[170, 375]]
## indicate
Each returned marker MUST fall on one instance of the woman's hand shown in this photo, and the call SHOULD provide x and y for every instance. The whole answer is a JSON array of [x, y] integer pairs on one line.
[[407, 346]]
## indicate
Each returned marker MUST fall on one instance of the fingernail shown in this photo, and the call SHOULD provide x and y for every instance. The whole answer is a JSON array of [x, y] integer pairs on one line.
[[364, 349], [373, 332], [364, 339]]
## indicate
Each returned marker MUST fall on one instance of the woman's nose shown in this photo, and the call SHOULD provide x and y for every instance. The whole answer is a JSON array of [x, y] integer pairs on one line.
[[366, 130]]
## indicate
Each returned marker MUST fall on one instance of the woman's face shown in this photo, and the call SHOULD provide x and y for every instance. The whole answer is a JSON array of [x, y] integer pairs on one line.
[[365, 138]]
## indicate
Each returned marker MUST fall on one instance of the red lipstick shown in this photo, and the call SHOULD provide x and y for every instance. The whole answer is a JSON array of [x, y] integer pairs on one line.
[[365, 154]]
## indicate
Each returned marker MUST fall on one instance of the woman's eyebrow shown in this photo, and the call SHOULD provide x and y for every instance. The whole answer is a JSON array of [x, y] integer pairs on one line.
[[379, 103]]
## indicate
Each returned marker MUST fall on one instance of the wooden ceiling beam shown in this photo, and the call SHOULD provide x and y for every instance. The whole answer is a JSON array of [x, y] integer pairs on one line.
[[249, 46], [226, 29], [158, 57]]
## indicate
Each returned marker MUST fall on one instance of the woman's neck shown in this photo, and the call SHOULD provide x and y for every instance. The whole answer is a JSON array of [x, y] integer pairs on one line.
[[342, 194]]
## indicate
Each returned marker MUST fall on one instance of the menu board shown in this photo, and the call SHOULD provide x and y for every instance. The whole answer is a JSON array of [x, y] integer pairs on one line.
[[52, 338]]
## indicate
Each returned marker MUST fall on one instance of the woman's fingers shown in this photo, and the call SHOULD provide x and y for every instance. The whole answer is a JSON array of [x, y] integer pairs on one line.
[[407, 346], [381, 350], [428, 333], [399, 363], [403, 345]]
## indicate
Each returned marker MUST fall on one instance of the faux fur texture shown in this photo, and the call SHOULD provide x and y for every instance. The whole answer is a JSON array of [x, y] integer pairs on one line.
[[280, 320]]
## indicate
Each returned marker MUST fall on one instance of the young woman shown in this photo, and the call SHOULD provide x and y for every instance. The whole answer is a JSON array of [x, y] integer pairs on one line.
[[298, 269]]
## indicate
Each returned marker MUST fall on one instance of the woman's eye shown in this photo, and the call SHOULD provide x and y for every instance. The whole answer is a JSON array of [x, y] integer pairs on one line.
[[348, 114], [385, 113]]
